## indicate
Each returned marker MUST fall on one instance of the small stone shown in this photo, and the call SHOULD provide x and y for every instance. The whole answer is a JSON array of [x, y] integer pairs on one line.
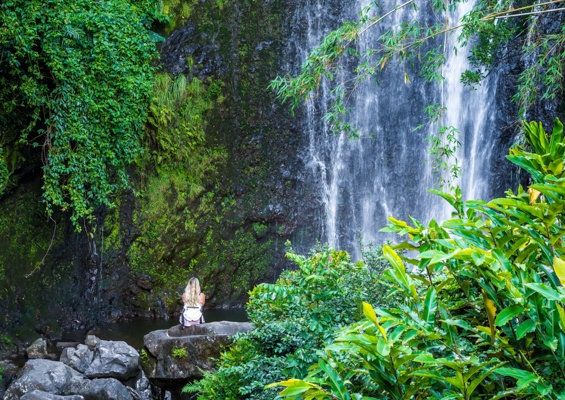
[[92, 341], [38, 349]]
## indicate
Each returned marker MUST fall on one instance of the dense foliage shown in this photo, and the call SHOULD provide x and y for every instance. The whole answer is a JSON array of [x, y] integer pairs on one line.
[[75, 84], [482, 311], [293, 318]]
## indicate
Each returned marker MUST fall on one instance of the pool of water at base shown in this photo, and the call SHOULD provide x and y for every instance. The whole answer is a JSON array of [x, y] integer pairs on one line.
[[132, 331]]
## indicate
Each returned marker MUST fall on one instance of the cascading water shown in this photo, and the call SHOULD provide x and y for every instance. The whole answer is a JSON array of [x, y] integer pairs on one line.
[[388, 171]]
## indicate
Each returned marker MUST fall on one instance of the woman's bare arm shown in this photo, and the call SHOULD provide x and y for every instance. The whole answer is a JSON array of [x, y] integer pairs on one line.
[[202, 298]]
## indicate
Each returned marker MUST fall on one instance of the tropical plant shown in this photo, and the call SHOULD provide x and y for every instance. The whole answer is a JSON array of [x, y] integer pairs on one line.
[[482, 311], [75, 85], [293, 319]]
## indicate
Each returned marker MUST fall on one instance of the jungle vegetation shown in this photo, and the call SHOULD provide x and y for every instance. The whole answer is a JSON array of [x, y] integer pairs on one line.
[[474, 305], [471, 308], [74, 91]]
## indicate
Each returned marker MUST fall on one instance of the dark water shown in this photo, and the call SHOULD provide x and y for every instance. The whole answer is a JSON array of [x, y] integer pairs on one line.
[[132, 331]]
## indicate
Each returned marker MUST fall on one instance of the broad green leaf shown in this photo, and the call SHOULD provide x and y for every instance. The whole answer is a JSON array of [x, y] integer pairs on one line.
[[507, 314], [475, 382], [559, 268], [551, 342], [399, 271], [369, 312], [556, 137], [296, 384], [430, 305], [491, 313], [383, 347], [460, 323], [499, 255], [561, 313], [335, 380], [524, 377], [546, 291], [447, 197], [524, 328]]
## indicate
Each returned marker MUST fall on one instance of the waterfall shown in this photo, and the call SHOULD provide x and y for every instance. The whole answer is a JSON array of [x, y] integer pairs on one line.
[[388, 171]]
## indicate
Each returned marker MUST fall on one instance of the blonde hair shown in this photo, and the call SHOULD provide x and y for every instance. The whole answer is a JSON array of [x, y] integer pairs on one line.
[[192, 292]]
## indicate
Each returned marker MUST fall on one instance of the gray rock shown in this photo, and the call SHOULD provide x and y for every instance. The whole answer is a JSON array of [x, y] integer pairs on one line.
[[8, 371], [113, 360], [40, 395], [92, 341], [108, 359], [177, 355], [37, 349], [143, 388], [64, 345], [79, 358], [100, 389], [44, 375], [66, 355]]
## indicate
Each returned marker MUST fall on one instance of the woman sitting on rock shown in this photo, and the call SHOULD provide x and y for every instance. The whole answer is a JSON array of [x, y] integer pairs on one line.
[[193, 301]]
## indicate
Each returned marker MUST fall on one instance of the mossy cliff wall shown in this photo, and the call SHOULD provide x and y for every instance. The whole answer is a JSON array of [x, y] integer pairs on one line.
[[222, 212]]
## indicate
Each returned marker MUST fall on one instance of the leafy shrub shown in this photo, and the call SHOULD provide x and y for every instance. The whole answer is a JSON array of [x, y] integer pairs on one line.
[[293, 318], [482, 312], [76, 81]]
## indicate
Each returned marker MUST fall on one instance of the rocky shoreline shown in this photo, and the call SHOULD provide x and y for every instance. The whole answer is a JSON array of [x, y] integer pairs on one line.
[[103, 369]]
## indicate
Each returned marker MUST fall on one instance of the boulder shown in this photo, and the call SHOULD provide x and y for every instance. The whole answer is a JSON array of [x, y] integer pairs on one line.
[[105, 388], [44, 375], [113, 360], [40, 395], [103, 359], [64, 345], [79, 358], [143, 388], [37, 349], [52, 380], [92, 341], [8, 371], [175, 356]]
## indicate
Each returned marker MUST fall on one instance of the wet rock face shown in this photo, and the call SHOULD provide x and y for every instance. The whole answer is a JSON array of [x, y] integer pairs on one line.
[[176, 356]]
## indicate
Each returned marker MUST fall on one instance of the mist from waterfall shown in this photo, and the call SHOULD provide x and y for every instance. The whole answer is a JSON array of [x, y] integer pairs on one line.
[[387, 172]]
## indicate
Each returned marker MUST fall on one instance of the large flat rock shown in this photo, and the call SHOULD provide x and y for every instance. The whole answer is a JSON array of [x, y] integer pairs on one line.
[[175, 356]]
